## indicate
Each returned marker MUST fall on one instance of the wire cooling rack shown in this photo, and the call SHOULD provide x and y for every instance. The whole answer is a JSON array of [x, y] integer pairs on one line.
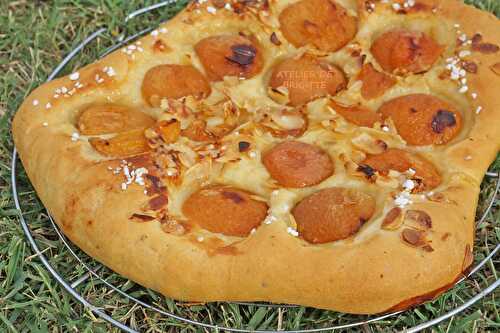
[[93, 270]]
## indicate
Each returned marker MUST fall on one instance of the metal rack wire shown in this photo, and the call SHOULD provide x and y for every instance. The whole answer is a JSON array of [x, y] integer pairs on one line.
[[134, 301]]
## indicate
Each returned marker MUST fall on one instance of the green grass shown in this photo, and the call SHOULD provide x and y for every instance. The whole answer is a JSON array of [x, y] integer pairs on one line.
[[34, 37]]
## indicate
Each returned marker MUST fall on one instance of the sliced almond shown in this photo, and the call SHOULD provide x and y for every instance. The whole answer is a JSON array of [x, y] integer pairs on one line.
[[141, 218], [369, 144], [279, 95], [107, 119], [496, 68], [392, 220], [413, 237], [173, 227], [418, 219], [122, 145]]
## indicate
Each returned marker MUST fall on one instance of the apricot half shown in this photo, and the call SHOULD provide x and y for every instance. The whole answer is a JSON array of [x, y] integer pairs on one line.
[[332, 214], [110, 118], [402, 161], [297, 164], [122, 145], [225, 210], [307, 78], [173, 81], [357, 114], [322, 23], [230, 55], [402, 51], [423, 119]]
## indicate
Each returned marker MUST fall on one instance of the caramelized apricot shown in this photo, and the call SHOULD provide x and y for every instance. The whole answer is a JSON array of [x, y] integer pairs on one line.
[[109, 118], [404, 51], [423, 119], [375, 83], [225, 210], [173, 81], [122, 145], [332, 214], [322, 23], [357, 114], [230, 55], [297, 164], [402, 161], [307, 78]]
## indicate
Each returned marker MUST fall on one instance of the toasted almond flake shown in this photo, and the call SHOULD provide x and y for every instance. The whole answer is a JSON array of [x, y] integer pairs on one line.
[[418, 219], [391, 220], [496, 68]]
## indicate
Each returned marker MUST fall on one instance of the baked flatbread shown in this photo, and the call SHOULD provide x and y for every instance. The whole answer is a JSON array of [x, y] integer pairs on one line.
[[315, 152]]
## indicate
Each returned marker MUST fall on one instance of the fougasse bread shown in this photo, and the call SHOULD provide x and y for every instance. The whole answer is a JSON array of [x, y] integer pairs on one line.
[[314, 152]]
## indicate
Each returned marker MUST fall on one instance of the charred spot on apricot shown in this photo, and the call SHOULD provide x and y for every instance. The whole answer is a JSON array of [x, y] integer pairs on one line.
[[243, 54], [243, 146], [367, 170], [233, 196], [443, 119]]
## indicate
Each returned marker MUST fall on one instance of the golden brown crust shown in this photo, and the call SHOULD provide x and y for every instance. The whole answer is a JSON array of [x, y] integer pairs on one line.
[[375, 270]]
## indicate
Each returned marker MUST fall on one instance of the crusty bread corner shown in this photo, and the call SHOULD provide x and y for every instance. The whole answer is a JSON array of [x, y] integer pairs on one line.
[[372, 272]]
